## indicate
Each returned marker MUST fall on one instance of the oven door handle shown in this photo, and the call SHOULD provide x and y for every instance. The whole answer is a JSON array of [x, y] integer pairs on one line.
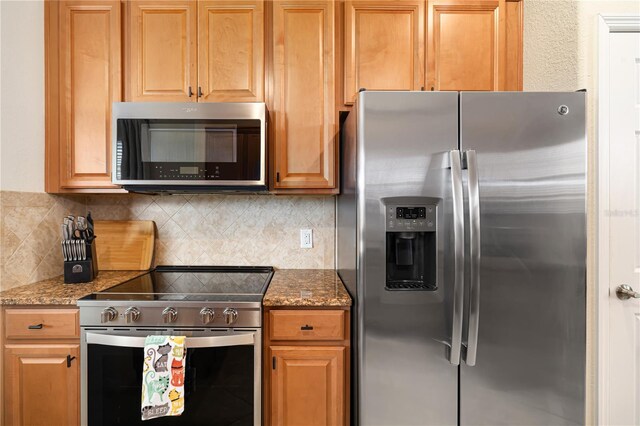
[[190, 343]]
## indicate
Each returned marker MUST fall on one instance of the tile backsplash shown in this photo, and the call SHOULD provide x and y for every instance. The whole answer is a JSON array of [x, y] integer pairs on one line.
[[230, 229], [30, 235], [191, 229]]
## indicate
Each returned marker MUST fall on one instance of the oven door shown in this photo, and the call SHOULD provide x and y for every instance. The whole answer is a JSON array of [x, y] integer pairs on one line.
[[222, 377]]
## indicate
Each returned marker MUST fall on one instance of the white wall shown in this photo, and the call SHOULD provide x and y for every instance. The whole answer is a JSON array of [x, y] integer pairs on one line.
[[22, 95], [560, 53]]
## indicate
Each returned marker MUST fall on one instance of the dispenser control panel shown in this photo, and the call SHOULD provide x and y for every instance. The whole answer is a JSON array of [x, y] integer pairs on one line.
[[411, 218]]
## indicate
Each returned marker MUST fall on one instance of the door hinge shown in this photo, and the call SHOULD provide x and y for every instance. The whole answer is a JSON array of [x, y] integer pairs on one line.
[[69, 359], [273, 362], [277, 176]]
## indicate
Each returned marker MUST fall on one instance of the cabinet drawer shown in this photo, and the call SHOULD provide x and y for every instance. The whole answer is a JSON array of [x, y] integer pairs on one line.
[[41, 323], [307, 325]]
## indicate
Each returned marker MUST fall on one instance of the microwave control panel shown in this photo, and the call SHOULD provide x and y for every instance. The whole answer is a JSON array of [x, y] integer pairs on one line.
[[421, 218], [177, 171]]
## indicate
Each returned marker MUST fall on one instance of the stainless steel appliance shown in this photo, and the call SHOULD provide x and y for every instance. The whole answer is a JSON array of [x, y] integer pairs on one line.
[[217, 308], [461, 236], [187, 147]]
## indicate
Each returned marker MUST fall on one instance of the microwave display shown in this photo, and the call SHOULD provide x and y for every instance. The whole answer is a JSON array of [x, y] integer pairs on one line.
[[189, 170], [189, 149]]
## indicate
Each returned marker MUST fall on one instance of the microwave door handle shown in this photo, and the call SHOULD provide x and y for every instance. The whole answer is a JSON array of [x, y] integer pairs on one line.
[[190, 342], [474, 261], [458, 248]]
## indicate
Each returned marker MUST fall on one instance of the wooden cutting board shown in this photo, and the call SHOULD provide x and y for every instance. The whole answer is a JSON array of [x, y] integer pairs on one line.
[[124, 245]]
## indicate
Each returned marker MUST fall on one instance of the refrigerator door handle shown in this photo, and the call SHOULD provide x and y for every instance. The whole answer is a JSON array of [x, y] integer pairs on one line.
[[474, 261], [458, 248]]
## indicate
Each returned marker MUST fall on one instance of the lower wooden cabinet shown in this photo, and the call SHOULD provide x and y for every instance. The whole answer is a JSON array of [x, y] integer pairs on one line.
[[42, 384], [306, 372], [41, 377], [307, 385]]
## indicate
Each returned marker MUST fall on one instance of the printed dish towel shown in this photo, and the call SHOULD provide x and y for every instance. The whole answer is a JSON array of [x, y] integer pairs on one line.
[[163, 376]]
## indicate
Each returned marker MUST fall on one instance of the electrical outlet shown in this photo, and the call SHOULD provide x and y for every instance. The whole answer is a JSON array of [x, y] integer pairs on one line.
[[306, 238]]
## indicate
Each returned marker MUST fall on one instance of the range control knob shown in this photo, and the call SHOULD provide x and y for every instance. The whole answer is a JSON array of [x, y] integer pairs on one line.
[[206, 315], [132, 314], [230, 315], [169, 315], [108, 314]]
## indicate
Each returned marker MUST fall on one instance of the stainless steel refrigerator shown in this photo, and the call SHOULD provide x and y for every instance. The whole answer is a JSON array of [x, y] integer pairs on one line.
[[461, 235]]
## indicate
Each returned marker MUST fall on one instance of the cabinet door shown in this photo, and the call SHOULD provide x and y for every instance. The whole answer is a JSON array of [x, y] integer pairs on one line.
[[230, 50], [307, 385], [466, 45], [304, 94], [41, 386], [162, 50], [384, 46], [84, 42], [513, 18]]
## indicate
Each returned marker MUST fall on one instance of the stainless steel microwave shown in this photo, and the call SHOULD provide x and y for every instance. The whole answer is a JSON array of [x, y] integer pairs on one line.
[[188, 147]]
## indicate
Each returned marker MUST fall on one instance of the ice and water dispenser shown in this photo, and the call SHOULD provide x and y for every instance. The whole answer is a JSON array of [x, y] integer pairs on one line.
[[411, 246]]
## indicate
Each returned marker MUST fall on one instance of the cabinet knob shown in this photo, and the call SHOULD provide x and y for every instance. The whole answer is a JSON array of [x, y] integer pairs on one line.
[[190, 92], [199, 91]]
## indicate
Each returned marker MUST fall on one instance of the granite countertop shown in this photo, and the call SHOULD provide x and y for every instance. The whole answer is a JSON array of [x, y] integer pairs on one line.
[[55, 292], [306, 287], [289, 287]]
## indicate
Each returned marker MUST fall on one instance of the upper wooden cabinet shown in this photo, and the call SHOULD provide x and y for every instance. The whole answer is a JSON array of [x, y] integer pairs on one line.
[[188, 51], [82, 79], [231, 51], [384, 48], [304, 94], [466, 44], [470, 45], [162, 50], [513, 65], [306, 59]]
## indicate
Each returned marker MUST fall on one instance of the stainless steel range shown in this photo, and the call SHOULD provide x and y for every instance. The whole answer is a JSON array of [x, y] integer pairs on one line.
[[217, 308]]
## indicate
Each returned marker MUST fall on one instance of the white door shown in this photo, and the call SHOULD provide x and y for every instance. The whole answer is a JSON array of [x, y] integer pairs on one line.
[[620, 197]]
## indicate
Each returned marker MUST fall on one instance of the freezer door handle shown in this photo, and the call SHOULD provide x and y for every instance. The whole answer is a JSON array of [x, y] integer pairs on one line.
[[474, 261], [458, 248]]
